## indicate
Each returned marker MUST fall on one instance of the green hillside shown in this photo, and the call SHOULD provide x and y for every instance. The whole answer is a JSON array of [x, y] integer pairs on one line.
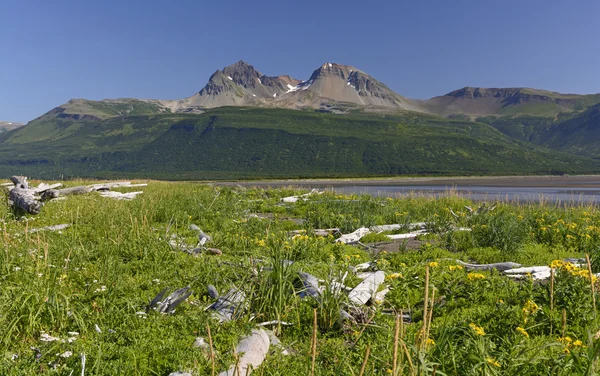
[[574, 132], [238, 142]]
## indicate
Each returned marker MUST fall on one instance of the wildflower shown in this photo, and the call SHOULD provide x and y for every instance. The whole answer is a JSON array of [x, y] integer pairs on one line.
[[66, 354], [523, 331], [566, 340], [430, 342], [394, 276], [261, 243], [475, 276], [544, 228], [578, 343], [500, 301], [492, 362], [101, 289], [454, 267], [530, 307], [477, 329], [434, 264]]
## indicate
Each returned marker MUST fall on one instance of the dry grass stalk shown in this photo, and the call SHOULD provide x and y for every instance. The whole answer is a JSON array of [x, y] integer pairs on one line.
[[564, 322], [430, 316], [396, 333], [551, 299], [410, 363], [589, 265], [420, 341], [314, 343], [365, 360], [212, 351]]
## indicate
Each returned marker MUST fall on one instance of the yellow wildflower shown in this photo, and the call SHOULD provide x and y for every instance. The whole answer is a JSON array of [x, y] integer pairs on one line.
[[475, 276], [523, 331], [566, 340], [430, 342], [578, 343], [455, 267], [434, 264], [477, 329], [492, 362], [394, 276], [261, 243]]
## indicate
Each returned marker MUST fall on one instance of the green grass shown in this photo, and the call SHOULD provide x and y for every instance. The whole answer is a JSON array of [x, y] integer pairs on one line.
[[115, 257]]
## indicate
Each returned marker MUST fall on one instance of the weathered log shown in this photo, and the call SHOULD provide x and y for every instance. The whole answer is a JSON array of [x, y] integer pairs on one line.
[[171, 302], [50, 228], [229, 306], [119, 195], [310, 284], [353, 237], [25, 200], [54, 193], [254, 349], [500, 266], [20, 181], [43, 187], [362, 293]]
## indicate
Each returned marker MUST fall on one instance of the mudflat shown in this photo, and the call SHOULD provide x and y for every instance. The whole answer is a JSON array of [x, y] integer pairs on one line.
[[565, 181]]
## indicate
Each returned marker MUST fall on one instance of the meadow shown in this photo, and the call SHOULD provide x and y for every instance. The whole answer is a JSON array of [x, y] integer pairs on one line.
[[82, 292]]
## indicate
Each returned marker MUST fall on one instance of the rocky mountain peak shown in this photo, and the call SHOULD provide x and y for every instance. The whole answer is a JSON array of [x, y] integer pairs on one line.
[[332, 70], [243, 74]]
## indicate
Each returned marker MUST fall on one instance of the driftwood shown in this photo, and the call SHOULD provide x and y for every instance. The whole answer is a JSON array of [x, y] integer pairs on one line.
[[171, 302], [365, 290], [304, 197], [31, 200], [24, 199], [50, 228], [254, 349], [229, 306], [353, 237], [20, 182], [310, 285], [500, 266]]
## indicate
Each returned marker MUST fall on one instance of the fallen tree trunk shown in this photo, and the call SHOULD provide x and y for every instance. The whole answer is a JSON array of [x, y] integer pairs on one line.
[[25, 200], [20, 181]]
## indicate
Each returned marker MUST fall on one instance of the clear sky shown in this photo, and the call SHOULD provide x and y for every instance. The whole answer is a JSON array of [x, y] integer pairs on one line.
[[51, 51]]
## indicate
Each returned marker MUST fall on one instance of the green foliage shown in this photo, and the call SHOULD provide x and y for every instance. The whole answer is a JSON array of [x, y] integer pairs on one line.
[[115, 257], [229, 143]]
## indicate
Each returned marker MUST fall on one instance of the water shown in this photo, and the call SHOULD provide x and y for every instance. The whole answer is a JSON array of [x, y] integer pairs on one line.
[[482, 193]]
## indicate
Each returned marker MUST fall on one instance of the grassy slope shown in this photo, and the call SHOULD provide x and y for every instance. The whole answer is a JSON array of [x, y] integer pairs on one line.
[[576, 133], [250, 143], [115, 258]]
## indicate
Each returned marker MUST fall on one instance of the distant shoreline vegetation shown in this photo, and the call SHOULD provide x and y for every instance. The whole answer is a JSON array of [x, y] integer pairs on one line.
[[255, 143]]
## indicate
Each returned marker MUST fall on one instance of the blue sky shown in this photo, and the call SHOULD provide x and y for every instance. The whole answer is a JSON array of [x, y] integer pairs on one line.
[[52, 51]]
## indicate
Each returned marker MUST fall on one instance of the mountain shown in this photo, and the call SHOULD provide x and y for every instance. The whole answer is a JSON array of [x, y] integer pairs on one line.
[[340, 121], [473, 102], [331, 87], [9, 125]]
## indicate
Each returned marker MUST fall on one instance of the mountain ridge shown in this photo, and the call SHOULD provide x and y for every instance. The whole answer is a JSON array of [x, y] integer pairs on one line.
[[335, 88]]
